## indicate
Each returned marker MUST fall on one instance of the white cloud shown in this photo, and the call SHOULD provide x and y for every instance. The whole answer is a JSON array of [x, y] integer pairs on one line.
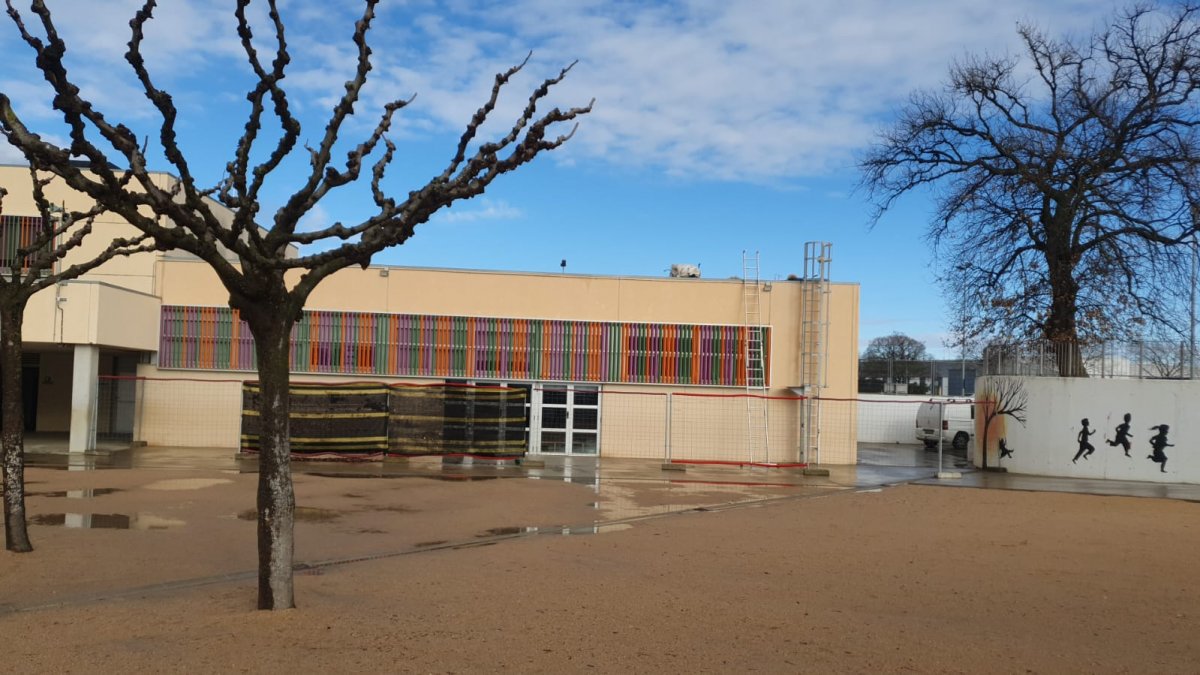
[[9, 154], [487, 209], [317, 218], [715, 90]]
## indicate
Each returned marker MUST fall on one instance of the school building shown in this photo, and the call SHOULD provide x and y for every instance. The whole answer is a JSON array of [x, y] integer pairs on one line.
[[146, 349]]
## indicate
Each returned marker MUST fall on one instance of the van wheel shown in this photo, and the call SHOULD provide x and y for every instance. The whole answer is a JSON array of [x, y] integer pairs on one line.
[[930, 445], [960, 440]]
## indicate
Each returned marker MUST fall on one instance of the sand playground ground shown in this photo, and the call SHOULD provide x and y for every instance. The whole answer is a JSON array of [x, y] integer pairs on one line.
[[152, 570]]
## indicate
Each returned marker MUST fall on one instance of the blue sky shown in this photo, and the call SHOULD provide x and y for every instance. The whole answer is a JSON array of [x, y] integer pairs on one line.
[[718, 126]]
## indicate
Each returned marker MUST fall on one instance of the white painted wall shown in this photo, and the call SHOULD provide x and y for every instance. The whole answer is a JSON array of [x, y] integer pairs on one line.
[[1047, 443]]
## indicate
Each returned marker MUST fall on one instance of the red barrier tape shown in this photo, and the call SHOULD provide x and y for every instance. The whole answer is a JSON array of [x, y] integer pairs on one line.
[[763, 465]]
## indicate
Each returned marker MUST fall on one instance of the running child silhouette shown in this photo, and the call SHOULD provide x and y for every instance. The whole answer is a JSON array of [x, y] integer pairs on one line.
[[1157, 443], [1085, 448], [1123, 435]]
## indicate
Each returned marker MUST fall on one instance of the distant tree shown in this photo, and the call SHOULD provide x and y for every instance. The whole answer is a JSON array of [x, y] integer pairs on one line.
[[1167, 360], [1065, 182], [267, 285], [35, 263], [895, 347], [896, 358]]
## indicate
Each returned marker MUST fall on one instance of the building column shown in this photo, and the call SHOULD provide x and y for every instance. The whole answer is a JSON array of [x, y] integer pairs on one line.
[[84, 384]]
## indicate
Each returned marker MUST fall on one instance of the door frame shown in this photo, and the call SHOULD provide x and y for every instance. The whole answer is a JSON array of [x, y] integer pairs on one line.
[[538, 405]]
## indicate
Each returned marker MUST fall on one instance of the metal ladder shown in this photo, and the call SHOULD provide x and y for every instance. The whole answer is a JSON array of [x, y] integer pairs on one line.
[[814, 343], [757, 423]]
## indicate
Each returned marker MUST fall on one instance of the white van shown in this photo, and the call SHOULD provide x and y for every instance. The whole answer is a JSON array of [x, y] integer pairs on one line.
[[958, 422]]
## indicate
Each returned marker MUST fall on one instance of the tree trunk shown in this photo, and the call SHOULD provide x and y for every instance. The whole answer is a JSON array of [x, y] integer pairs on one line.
[[987, 423], [12, 434], [276, 498], [1061, 329]]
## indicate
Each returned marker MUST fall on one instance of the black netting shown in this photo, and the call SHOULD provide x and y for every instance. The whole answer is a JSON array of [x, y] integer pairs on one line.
[[370, 419]]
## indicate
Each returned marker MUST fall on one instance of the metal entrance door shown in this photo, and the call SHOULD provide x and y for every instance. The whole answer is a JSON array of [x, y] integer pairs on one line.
[[567, 419]]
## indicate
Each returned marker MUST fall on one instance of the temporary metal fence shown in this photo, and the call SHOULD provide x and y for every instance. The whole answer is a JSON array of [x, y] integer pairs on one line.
[[1137, 359], [905, 431], [669, 425]]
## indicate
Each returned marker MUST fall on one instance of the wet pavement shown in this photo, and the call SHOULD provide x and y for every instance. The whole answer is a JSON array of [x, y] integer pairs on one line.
[[626, 492], [105, 521], [879, 465], [1113, 488]]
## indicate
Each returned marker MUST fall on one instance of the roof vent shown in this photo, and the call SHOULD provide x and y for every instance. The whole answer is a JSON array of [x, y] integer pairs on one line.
[[686, 271]]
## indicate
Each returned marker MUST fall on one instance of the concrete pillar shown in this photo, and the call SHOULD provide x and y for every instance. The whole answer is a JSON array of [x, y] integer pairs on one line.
[[84, 386]]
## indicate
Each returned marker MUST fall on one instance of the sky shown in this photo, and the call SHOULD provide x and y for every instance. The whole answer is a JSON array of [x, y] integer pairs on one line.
[[718, 127]]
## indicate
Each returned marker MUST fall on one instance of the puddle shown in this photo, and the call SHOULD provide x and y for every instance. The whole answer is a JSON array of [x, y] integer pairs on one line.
[[597, 529], [110, 521], [501, 531], [186, 483], [393, 509], [450, 478], [85, 493], [80, 466], [554, 530], [303, 514]]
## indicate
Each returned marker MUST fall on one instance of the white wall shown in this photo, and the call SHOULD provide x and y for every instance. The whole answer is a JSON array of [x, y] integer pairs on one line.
[[1046, 444]]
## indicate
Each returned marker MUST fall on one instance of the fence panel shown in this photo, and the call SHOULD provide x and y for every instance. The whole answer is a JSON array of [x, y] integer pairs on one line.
[[903, 430], [717, 427], [187, 412], [633, 424], [681, 425], [928, 377], [1133, 359]]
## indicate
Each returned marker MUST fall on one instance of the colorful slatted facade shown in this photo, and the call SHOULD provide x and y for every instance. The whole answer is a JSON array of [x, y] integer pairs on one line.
[[17, 233], [417, 345]]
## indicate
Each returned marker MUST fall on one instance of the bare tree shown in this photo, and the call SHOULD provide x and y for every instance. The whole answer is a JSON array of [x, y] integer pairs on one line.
[[267, 285], [1164, 359], [1064, 181], [898, 359], [38, 262], [1001, 396], [896, 346]]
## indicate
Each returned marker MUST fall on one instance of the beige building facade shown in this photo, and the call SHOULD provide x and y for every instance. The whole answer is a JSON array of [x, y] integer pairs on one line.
[[146, 348]]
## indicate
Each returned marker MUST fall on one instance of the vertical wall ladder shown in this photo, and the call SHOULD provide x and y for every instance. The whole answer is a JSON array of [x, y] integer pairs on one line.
[[757, 422], [814, 343]]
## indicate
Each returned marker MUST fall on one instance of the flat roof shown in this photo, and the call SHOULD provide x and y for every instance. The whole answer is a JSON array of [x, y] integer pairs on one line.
[[468, 270]]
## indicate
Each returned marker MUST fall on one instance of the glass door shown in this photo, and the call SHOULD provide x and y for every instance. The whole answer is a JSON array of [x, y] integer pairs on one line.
[[568, 419]]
